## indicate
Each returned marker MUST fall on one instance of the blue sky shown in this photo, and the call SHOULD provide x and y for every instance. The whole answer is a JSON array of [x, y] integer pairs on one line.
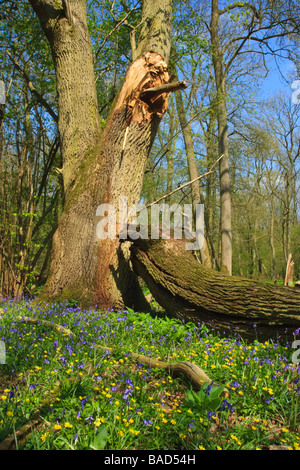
[[276, 80]]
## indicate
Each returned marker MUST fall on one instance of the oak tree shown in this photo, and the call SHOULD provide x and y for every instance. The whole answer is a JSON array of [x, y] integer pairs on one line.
[[99, 165]]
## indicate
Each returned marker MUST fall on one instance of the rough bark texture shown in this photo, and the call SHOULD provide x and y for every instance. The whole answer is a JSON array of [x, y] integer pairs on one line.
[[194, 293], [65, 26], [100, 166], [82, 265]]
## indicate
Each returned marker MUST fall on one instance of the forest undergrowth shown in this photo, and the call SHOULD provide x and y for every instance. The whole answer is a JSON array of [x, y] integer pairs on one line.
[[60, 391]]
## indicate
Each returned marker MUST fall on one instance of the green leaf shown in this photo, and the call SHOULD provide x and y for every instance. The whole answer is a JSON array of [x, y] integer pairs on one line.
[[214, 404], [216, 391], [100, 439]]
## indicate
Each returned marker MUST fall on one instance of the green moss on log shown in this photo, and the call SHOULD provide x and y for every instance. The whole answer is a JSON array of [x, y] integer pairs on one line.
[[190, 291]]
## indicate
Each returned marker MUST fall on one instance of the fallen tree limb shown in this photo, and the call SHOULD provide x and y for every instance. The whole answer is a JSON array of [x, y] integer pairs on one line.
[[21, 435], [165, 88], [19, 439], [187, 290]]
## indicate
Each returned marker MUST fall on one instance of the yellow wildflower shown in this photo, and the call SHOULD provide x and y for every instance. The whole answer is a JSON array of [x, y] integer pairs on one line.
[[68, 425]]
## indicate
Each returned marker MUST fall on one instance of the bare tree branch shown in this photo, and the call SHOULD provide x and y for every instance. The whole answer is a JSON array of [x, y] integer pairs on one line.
[[166, 88], [188, 183], [33, 90]]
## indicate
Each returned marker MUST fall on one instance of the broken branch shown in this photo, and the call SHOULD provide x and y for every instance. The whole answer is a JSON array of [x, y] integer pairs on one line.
[[165, 88], [188, 183]]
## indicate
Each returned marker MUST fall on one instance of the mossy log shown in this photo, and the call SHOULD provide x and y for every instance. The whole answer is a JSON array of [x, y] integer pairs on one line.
[[189, 291]]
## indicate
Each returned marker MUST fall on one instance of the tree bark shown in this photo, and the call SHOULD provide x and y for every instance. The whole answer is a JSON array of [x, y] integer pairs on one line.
[[189, 291], [272, 245], [100, 166], [225, 197]]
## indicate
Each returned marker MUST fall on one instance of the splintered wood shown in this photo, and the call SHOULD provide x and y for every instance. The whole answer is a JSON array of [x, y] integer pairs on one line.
[[149, 71], [289, 272]]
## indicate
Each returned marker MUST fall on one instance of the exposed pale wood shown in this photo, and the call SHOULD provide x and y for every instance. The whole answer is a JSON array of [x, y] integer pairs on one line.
[[289, 272]]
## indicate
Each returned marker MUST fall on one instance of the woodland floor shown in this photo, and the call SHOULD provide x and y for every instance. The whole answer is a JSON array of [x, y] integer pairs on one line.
[[60, 392]]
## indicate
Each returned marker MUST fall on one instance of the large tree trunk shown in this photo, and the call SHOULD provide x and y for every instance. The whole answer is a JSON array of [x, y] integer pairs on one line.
[[98, 167], [188, 290]]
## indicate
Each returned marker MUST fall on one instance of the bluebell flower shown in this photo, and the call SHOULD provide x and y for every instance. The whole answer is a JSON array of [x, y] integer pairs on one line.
[[191, 423], [63, 360], [208, 389], [227, 405]]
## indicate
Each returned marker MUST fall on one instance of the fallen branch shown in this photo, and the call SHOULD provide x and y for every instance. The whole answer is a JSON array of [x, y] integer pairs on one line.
[[187, 290], [21, 435], [194, 374]]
